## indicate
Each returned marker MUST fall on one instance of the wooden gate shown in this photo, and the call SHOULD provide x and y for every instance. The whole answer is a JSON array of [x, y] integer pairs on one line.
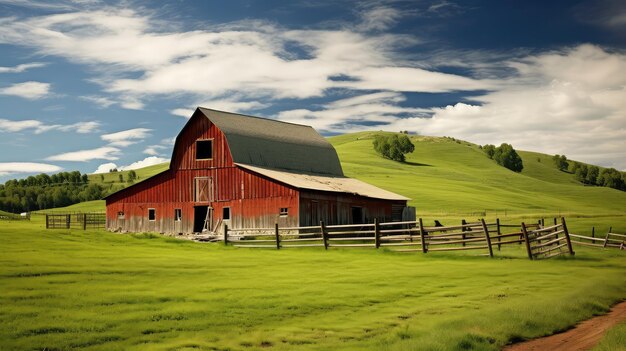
[[546, 242], [203, 189]]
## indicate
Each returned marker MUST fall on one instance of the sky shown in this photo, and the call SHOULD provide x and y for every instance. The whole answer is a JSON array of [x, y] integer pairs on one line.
[[91, 85]]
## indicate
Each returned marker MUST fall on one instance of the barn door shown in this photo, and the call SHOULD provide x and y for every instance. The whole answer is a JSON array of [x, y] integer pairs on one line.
[[203, 189]]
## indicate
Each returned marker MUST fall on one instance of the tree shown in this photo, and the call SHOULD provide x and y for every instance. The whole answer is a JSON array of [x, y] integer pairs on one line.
[[393, 146], [561, 162], [132, 176], [612, 178], [490, 150], [121, 178], [507, 157], [581, 174], [85, 179], [102, 178], [592, 175]]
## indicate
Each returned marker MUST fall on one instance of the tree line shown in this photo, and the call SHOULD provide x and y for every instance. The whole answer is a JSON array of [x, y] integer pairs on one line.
[[44, 191], [590, 174], [504, 155]]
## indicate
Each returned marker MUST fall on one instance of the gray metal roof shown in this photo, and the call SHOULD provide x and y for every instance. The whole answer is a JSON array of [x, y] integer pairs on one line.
[[273, 144], [326, 183]]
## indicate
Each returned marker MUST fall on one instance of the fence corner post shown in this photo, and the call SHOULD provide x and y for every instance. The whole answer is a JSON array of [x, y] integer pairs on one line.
[[525, 234], [566, 232], [277, 236], [324, 235], [486, 230], [463, 230], [225, 234], [422, 234], [376, 233], [47, 223], [606, 240], [498, 232]]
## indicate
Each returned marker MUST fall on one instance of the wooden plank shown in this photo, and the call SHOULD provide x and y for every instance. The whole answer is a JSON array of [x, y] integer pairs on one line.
[[525, 234], [352, 245], [406, 243], [456, 241], [506, 242], [546, 236], [606, 240], [324, 235], [357, 226], [277, 234], [586, 244], [619, 235], [302, 245], [356, 232], [487, 237], [398, 223], [376, 233], [547, 243], [299, 240], [422, 233], [256, 246], [225, 234], [567, 239], [585, 237], [459, 248], [550, 249], [356, 238]]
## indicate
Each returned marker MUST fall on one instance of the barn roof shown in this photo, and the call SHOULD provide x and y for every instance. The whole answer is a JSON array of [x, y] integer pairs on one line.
[[325, 183], [274, 144]]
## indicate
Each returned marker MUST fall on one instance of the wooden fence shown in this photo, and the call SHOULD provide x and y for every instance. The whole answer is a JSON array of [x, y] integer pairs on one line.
[[611, 240], [412, 236], [83, 221]]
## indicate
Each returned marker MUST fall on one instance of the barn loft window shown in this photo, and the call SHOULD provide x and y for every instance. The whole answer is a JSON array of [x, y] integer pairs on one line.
[[204, 149], [120, 215], [226, 213], [151, 214], [284, 211], [178, 214]]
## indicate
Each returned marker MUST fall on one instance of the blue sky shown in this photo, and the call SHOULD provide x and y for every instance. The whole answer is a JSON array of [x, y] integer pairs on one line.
[[88, 84]]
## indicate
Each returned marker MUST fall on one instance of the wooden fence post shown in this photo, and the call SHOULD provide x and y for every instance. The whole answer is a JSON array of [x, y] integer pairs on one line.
[[463, 229], [555, 221], [482, 221], [376, 233], [68, 219], [324, 235], [525, 234], [84, 221], [498, 232], [606, 240], [422, 233], [566, 232], [47, 223], [277, 236], [225, 234], [593, 232]]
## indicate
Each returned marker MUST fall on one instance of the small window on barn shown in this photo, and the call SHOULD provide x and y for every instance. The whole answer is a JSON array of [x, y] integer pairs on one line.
[[151, 214], [120, 215], [284, 211], [178, 214], [204, 149], [226, 213]]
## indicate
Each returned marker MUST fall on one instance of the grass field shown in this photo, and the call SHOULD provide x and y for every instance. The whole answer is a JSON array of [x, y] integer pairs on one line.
[[102, 291], [95, 290]]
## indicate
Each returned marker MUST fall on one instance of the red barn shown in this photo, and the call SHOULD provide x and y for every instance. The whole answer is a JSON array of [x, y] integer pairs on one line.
[[248, 172]]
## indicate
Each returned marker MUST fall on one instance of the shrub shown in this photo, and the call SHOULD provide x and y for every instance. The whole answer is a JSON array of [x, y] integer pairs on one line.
[[393, 146]]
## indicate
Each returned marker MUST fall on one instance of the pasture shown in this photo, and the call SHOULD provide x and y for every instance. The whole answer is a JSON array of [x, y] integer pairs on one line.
[[95, 290]]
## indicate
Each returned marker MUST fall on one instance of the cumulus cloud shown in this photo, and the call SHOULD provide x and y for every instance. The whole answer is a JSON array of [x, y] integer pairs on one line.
[[101, 153], [21, 68], [148, 161], [126, 137], [39, 127], [27, 90], [8, 168]]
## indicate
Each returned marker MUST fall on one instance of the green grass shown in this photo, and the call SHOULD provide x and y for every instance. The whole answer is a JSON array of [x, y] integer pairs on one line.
[[94, 290], [87, 206], [451, 178], [142, 174], [614, 340]]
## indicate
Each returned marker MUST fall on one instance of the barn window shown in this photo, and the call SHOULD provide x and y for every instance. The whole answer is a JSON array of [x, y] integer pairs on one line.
[[204, 149], [151, 214], [284, 211], [120, 215], [226, 213], [178, 214]]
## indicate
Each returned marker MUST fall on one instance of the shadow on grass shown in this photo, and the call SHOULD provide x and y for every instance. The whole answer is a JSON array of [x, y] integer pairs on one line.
[[417, 164]]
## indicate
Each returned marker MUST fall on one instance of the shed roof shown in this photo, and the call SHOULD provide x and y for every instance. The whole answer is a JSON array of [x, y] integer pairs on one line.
[[274, 144], [325, 183]]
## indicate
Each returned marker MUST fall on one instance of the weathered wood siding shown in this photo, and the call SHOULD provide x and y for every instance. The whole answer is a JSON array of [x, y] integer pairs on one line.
[[336, 208]]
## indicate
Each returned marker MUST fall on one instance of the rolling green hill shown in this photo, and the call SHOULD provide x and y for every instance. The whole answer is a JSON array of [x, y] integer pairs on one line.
[[451, 178], [448, 177]]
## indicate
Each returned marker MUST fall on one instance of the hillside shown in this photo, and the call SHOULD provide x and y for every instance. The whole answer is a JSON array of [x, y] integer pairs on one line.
[[455, 177], [446, 177]]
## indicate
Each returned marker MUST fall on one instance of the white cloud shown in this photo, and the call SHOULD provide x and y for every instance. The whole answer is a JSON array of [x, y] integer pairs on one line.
[[21, 68], [148, 161], [126, 137], [39, 127], [27, 90], [378, 18], [8, 168], [101, 101], [105, 168], [182, 112], [102, 153]]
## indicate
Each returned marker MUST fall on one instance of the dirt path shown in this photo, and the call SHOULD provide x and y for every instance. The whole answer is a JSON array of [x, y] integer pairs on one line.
[[583, 336]]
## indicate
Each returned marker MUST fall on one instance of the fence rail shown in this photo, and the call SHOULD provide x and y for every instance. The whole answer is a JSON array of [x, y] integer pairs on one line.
[[83, 221]]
